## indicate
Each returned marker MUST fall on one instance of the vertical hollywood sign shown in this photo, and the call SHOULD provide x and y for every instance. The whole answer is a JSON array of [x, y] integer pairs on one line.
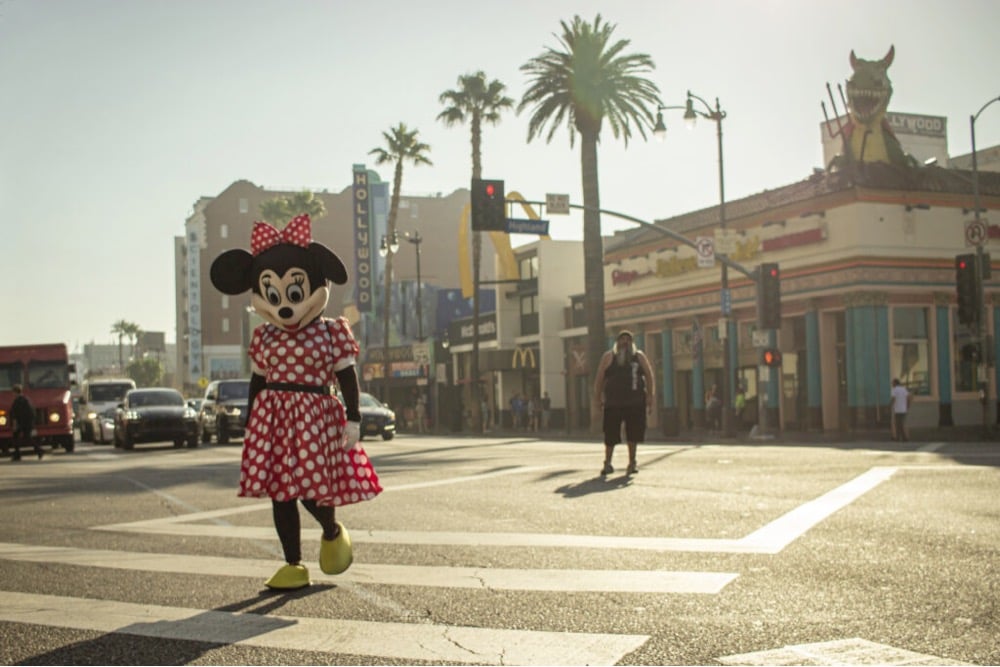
[[362, 242]]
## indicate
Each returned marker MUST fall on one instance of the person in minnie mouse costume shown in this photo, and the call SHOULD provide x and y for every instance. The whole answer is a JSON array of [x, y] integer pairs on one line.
[[302, 442]]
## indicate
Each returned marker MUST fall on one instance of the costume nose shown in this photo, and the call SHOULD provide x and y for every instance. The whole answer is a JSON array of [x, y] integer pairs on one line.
[[285, 313]]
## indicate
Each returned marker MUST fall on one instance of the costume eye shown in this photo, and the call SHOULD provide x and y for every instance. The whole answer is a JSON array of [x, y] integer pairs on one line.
[[295, 293], [272, 295]]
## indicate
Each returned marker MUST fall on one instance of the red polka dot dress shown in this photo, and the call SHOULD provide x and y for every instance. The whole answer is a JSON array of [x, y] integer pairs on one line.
[[292, 448]]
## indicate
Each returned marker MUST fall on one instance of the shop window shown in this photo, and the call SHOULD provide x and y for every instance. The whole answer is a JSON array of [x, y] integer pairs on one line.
[[909, 358]]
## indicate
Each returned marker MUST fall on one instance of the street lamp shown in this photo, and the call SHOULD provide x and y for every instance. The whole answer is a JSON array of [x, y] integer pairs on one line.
[[416, 239], [981, 305], [386, 249], [715, 114]]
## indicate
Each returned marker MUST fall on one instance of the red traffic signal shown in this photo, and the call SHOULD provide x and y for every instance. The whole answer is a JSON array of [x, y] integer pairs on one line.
[[489, 207], [770, 356]]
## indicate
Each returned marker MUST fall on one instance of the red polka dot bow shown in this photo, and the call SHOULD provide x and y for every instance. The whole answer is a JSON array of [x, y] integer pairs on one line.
[[264, 236]]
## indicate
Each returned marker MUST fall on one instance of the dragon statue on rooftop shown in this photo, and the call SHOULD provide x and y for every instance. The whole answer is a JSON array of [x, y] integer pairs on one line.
[[867, 136]]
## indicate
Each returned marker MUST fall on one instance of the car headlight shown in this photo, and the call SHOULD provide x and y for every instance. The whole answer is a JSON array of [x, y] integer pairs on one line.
[[3, 418], [91, 415], [132, 416], [54, 417], [233, 411], [189, 413]]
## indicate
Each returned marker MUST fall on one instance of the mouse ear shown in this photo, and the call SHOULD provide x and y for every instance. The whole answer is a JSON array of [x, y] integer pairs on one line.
[[333, 269], [230, 272]]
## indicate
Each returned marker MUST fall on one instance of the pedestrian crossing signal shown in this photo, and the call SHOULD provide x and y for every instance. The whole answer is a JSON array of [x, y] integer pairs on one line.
[[770, 356]]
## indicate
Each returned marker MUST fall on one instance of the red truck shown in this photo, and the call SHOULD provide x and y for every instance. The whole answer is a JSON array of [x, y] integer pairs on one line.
[[44, 373]]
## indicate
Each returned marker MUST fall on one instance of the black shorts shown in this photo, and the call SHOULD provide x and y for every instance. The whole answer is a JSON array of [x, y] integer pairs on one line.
[[635, 424]]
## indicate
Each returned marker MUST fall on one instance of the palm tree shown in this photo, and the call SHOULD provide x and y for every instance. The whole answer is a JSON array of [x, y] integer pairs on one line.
[[477, 101], [279, 210], [401, 145], [133, 331], [120, 329], [588, 80]]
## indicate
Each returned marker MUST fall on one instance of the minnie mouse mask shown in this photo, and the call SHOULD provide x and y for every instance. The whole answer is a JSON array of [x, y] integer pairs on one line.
[[286, 271]]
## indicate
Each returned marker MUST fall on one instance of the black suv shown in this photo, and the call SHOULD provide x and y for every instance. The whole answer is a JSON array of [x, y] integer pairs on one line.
[[224, 410]]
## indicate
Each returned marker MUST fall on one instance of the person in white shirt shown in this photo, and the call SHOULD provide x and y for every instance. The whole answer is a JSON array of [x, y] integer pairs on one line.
[[900, 404]]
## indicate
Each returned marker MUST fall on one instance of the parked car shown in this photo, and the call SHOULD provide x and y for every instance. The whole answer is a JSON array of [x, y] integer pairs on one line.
[[376, 418], [154, 415], [104, 426], [224, 410]]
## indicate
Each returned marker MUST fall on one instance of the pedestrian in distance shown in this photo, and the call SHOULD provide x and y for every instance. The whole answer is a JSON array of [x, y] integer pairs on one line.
[[546, 411], [713, 408], [624, 390], [900, 406], [22, 413]]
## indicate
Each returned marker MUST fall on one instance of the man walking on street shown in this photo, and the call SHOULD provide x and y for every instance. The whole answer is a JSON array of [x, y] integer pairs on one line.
[[23, 415], [624, 389], [900, 405]]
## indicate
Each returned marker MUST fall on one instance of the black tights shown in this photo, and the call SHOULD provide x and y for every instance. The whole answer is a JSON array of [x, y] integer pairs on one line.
[[286, 521]]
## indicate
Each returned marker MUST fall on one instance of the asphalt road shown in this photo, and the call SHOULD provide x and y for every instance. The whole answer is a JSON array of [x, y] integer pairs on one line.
[[514, 551]]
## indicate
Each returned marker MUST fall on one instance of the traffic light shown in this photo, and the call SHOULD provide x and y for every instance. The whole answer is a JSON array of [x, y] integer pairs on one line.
[[769, 296], [489, 208], [770, 356], [968, 288]]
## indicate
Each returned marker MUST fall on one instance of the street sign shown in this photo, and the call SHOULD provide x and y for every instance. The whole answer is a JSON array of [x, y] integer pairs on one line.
[[526, 226], [726, 301], [760, 338], [976, 232], [723, 328], [421, 353], [557, 204], [705, 246]]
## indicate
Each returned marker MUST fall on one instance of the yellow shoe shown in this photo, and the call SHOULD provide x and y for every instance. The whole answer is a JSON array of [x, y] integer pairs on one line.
[[336, 555], [289, 577]]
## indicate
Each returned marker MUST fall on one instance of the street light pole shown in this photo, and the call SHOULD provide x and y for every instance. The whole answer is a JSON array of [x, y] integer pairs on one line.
[[387, 248], [981, 324], [416, 240], [716, 115]]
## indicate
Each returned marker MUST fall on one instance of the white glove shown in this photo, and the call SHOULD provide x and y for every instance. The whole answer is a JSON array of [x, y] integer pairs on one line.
[[352, 433]]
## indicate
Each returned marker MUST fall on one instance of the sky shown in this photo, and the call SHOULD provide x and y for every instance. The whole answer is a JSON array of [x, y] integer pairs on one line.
[[117, 116]]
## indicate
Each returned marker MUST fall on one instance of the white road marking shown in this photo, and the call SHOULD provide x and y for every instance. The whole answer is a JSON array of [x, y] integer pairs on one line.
[[769, 539], [398, 641], [854, 651], [564, 581], [931, 447]]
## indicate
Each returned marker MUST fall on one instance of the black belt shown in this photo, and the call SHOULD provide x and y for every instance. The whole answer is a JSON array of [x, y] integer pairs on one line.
[[295, 386]]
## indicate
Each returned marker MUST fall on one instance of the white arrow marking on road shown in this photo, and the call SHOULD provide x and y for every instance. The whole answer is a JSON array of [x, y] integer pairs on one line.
[[400, 641], [563, 581]]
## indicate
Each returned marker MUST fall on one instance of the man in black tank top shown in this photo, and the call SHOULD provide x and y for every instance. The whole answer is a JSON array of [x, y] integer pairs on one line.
[[624, 388]]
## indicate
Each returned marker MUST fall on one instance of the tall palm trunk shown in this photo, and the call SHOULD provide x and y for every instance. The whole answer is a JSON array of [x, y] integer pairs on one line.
[[397, 181], [593, 260], [477, 256]]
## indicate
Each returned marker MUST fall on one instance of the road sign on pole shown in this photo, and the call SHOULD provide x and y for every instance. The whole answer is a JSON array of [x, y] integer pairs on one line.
[[976, 232], [526, 226], [557, 204], [705, 246]]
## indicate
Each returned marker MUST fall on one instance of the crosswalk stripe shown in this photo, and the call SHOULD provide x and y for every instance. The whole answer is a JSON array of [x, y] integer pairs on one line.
[[565, 581], [401, 641]]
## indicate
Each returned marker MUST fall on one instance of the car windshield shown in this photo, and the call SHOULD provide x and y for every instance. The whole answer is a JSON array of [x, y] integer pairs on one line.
[[48, 374], [10, 374], [102, 393], [230, 391], [148, 398], [369, 401]]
